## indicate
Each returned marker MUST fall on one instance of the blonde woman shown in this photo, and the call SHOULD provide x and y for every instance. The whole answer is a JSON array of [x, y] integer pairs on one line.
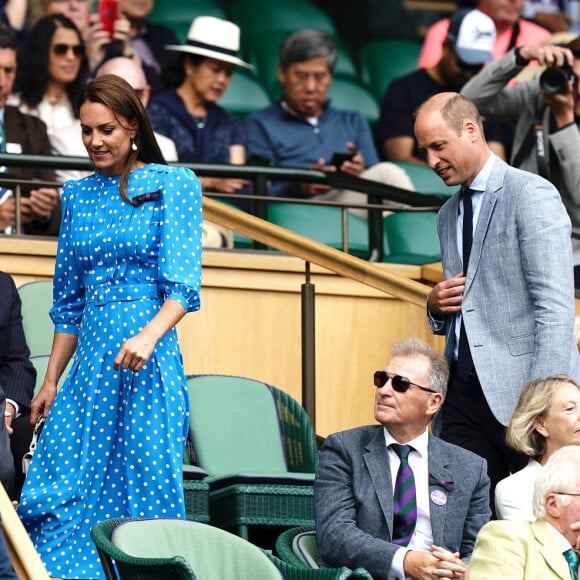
[[546, 417]]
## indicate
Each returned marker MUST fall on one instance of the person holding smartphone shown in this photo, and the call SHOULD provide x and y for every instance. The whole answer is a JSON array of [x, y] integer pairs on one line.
[[105, 32]]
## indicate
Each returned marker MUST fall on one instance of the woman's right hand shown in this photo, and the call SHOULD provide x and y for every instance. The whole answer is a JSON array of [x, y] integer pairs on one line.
[[43, 401]]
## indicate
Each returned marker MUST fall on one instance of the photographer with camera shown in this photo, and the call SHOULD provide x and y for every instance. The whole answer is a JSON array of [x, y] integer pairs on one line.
[[546, 111]]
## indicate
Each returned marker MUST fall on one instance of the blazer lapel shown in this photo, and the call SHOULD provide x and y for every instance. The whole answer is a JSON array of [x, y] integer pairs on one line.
[[449, 236], [440, 473], [377, 462], [488, 201], [549, 549]]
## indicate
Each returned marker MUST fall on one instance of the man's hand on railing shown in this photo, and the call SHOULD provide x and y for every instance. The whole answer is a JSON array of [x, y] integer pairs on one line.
[[43, 201]]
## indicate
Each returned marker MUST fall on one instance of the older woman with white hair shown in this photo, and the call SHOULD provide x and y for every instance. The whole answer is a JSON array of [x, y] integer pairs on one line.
[[546, 418]]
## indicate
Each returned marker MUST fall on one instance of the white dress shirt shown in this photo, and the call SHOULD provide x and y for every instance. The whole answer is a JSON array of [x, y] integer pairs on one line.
[[422, 538]]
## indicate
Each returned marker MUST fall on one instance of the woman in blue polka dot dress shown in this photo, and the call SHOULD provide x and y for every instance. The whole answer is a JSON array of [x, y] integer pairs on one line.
[[128, 268]]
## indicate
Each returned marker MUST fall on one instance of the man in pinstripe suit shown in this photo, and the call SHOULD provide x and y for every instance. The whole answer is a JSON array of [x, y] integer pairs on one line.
[[17, 378]]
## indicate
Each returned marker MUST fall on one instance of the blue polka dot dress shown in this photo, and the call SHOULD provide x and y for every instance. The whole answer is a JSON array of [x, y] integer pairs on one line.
[[113, 442]]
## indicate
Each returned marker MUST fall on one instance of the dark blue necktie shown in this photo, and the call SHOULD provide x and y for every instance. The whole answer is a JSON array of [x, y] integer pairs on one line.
[[464, 360]]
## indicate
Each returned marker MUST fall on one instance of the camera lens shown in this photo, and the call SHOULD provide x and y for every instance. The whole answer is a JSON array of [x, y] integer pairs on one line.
[[554, 80]]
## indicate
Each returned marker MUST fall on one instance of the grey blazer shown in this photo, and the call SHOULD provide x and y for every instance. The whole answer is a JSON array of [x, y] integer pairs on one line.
[[353, 499], [518, 303]]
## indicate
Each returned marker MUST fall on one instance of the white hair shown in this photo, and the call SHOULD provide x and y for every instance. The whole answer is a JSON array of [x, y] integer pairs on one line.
[[560, 474]]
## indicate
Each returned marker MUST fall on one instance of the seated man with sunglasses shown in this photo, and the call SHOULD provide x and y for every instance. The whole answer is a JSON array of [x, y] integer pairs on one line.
[[466, 49], [392, 498]]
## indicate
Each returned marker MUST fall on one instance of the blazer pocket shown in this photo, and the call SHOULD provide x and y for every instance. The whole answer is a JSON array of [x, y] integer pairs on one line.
[[519, 345]]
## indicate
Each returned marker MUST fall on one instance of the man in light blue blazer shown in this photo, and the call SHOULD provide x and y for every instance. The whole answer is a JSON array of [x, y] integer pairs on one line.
[[514, 303], [355, 485]]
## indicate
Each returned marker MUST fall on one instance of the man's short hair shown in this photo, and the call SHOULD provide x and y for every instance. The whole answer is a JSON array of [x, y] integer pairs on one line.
[[438, 375], [307, 44], [8, 37], [558, 475], [574, 46]]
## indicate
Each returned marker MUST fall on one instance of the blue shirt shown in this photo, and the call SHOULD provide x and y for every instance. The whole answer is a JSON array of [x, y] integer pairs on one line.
[[289, 140]]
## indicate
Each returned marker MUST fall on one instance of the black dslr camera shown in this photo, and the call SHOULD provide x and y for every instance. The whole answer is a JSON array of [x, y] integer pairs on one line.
[[555, 79]]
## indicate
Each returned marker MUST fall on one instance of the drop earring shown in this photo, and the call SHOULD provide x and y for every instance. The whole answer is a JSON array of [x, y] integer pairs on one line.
[[133, 145]]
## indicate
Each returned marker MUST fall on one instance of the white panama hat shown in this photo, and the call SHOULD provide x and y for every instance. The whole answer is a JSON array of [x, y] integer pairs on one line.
[[213, 37]]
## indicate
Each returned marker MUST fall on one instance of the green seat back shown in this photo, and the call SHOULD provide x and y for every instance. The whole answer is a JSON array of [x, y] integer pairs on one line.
[[211, 552], [353, 96], [36, 298], [179, 14], [323, 224], [412, 238], [245, 95], [234, 426], [257, 16], [425, 180], [382, 60], [40, 363], [304, 546]]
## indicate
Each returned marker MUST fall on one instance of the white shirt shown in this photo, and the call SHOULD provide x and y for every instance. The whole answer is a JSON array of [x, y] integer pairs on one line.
[[422, 539], [478, 189]]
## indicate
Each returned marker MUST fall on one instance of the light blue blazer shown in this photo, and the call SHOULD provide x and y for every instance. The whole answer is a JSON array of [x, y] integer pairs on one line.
[[518, 303]]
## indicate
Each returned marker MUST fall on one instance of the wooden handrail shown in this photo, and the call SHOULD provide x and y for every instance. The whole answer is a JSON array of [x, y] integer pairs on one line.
[[25, 559], [311, 251]]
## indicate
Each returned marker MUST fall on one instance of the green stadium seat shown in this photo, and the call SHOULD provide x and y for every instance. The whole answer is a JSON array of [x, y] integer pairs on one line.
[[245, 95], [179, 14], [411, 238], [323, 224], [385, 59], [258, 16], [351, 95]]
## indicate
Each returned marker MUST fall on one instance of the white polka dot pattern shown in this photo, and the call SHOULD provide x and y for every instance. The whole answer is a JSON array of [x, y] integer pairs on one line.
[[113, 442]]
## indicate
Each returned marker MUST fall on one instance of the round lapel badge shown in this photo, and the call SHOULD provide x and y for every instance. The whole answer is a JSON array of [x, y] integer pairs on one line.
[[438, 497]]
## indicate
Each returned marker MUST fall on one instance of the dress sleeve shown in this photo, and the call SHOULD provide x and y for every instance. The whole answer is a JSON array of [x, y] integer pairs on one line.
[[69, 291], [180, 239]]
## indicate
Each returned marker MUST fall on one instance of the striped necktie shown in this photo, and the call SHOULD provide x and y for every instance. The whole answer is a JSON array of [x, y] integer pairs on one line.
[[404, 498], [572, 559]]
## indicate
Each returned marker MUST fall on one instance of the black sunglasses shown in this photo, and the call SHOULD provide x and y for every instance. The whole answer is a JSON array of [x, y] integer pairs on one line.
[[61, 48], [400, 384]]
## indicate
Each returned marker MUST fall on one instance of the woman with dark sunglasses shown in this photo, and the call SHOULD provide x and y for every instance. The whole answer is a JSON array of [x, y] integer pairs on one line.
[[52, 70]]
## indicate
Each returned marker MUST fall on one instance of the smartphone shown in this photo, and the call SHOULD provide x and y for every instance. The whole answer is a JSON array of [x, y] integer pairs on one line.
[[107, 15], [339, 157]]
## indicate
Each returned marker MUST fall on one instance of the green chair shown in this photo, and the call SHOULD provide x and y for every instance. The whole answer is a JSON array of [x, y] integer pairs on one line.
[[159, 549], [36, 298], [238, 438], [245, 95], [179, 14], [323, 224], [258, 16], [297, 547], [40, 363], [425, 180], [351, 95], [411, 238], [163, 549], [384, 59]]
